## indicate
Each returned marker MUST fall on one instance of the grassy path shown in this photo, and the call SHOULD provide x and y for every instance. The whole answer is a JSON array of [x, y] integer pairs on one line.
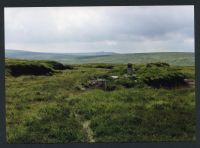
[[86, 126]]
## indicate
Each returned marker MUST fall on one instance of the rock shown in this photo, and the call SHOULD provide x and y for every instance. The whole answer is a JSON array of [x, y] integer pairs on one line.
[[115, 77]]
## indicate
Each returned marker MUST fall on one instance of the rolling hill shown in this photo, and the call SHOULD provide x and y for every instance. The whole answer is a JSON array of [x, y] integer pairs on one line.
[[173, 58]]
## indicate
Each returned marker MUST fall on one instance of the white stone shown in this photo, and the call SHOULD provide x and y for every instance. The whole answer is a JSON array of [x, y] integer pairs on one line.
[[114, 77]]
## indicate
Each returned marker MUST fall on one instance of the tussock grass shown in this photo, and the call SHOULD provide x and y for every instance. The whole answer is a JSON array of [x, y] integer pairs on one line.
[[50, 109]]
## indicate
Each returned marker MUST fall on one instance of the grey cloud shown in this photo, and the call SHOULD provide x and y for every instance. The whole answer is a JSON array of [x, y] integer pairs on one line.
[[101, 28]]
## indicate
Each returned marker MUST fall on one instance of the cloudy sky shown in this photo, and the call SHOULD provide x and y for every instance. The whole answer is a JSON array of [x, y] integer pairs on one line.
[[124, 29]]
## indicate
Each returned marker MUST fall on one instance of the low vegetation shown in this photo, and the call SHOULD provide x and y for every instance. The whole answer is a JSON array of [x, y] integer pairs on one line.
[[59, 105], [27, 67], [173, 58], [162, 75]]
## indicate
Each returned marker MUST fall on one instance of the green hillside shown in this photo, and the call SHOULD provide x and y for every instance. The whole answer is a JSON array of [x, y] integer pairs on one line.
[[186, 59], [63, 103], [173, 58]]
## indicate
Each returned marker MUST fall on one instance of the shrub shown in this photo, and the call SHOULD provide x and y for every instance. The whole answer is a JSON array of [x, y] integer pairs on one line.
[[55, 65], [68, 67], [18, 67], [126, 82], [110, 86], [163, 77], [29, 69], [104, 66], [158, 64], [58, 66]]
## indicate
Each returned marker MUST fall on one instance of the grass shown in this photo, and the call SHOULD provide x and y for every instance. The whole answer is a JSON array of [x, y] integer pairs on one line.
[[139, 115], [173, 58], [55, 109]]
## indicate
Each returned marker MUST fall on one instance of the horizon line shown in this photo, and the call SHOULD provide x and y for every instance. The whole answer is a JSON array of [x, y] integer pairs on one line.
[[101, 52]]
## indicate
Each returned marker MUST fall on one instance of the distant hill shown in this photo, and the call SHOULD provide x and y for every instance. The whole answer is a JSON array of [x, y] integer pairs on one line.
[[38, 55], [173, 58]]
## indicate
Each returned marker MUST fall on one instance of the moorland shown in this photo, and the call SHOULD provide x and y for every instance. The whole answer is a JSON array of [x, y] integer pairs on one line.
[[58, 102]]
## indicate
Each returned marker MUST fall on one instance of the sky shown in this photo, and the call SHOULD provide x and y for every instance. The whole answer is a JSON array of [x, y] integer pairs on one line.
[[121, 29]]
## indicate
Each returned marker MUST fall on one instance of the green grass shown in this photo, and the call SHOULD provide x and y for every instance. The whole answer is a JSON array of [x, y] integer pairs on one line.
[[54, 109], [139, 114], [173, 58]]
